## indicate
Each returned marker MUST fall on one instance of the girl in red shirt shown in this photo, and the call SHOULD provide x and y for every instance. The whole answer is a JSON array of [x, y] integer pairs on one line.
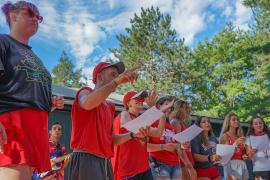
[[232, 134], [165, 153], [131, 158], [180, 116]]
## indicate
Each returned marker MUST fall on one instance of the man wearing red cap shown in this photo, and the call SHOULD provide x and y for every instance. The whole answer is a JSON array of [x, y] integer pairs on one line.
[[130, 160], [92, 138]]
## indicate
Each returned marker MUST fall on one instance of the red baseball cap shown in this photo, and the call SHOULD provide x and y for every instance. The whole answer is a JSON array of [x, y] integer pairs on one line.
[[139, 96], [103, 65]]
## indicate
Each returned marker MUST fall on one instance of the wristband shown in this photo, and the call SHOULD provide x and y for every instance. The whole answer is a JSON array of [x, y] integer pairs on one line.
[[209, 158], [161, 147], [115, 83], [132, 135]]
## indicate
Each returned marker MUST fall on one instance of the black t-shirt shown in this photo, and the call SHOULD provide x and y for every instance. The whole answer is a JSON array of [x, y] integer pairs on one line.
[[198, 147], [24, 81]]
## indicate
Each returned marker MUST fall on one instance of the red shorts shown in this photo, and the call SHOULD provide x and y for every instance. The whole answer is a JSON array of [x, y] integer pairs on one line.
[[211, 172], [27, 139]]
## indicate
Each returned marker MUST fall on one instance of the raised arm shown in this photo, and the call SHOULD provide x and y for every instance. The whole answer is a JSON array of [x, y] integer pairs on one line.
[[90, 100]]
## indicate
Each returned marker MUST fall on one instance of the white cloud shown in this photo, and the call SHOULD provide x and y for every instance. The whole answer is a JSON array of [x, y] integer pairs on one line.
[[82, 34], [108, 56], [189, 18], [242, 15], [122, 20], [228, 11], [73, 26], [88, 72], [51, 27]]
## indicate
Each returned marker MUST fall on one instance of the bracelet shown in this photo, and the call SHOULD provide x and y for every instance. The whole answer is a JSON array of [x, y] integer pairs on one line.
[[161, 147], [132, 135], [115, 83]]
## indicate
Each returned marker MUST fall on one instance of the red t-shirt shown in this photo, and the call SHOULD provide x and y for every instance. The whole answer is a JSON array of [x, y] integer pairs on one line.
[[167, 157], [240, 149], [130, 158], [92, 130]]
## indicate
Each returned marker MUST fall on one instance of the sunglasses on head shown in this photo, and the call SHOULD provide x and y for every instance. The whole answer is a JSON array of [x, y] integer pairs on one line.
[[33, 14]]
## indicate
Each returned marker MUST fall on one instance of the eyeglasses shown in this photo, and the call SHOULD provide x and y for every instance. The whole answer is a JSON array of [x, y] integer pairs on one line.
[[32, 14]]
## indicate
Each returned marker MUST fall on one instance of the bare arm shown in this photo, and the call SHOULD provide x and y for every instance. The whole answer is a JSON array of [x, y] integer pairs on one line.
[[3, 138], [90, 100], [125, 117], [200, 158], [224, 139], [162, 147], [183, 156], [157, 132], [154, 147], [121, 138]]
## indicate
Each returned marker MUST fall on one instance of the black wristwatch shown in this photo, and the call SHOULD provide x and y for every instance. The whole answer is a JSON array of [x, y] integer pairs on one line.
[[132, 135], [209, 158]]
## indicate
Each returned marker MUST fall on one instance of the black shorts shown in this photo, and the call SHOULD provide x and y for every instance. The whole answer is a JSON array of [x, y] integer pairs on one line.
[[147, 175], [262, 174], [84, 166]]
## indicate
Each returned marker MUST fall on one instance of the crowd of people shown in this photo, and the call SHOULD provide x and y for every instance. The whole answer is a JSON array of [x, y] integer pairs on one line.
[[102, 148]]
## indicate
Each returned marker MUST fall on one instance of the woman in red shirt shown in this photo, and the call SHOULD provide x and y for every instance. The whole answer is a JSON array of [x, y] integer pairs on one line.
[[131, 158], [180, 116], [165, 153], [232, 134]]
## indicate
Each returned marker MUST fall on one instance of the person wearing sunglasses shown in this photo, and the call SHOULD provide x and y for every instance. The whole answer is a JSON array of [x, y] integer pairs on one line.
[[130, 160], [25, 96]]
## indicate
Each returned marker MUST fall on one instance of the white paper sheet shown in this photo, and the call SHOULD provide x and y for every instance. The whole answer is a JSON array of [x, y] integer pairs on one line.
[[258, 142], [226, 152], [146, 119], [188, 134]]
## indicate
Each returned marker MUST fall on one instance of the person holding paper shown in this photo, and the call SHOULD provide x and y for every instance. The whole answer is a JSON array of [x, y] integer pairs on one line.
[[259, 131], [203, 149], [180, 116], [92, 138], [232, 134], [131, 158], [165, 152]]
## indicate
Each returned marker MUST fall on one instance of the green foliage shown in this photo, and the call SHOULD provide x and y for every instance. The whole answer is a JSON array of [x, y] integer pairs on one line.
[[228, 76], [64, 75], [152, 43], [231, 72]]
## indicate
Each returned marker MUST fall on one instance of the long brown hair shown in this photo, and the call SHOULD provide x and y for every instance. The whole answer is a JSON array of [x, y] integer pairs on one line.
[[251, 130], [178, 108], [202, 136], [226, 125]]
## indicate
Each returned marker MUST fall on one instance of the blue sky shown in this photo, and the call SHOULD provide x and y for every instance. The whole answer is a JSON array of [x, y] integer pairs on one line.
[[86, 29]]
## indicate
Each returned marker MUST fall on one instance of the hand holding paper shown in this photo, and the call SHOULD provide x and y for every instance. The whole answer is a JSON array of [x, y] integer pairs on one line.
[[226, 152], [144, 120], [188, 134]]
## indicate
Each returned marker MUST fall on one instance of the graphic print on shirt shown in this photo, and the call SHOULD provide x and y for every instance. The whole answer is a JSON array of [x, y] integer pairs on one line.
[[211, 145], [34, 68], [167, 136]]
